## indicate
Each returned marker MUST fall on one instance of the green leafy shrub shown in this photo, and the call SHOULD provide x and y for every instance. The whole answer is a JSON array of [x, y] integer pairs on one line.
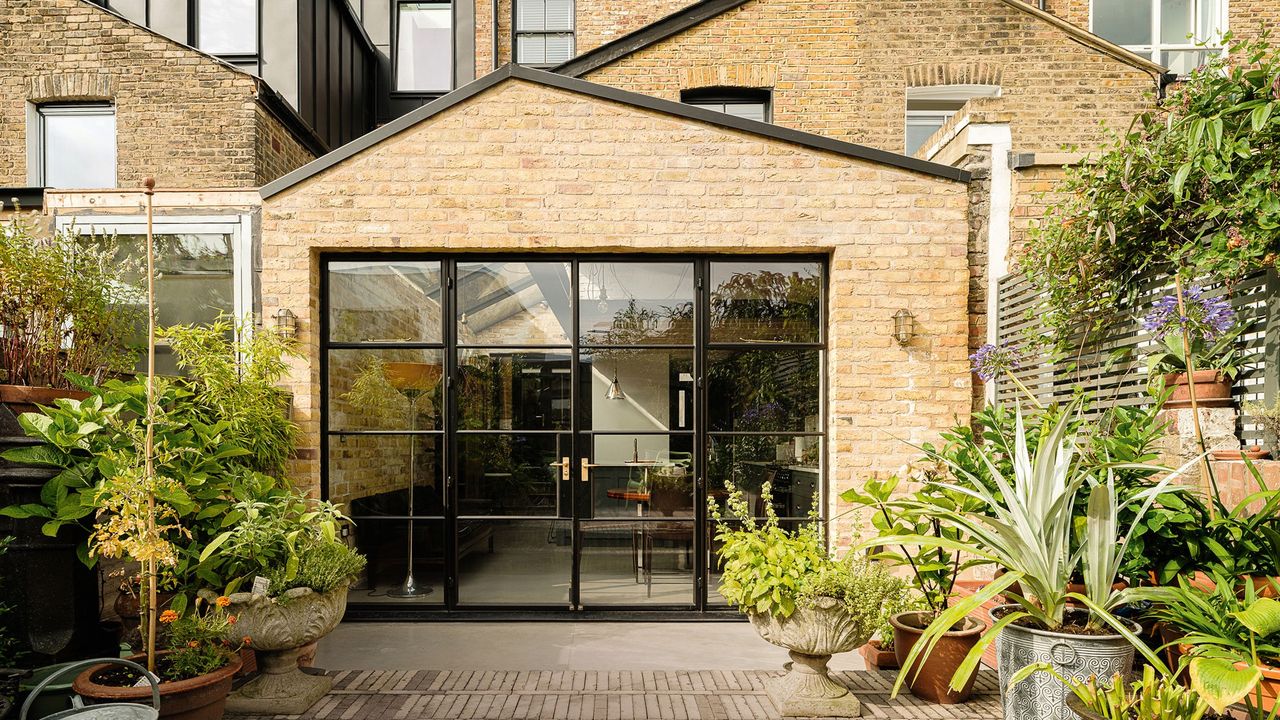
[[323, 565]]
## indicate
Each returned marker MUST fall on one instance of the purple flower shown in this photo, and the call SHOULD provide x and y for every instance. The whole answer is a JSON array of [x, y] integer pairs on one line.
[[1206, 318], [991, 360]]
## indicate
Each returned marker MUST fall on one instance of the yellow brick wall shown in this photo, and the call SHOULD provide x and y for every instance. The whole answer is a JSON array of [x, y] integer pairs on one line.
[[181, 117], [526, 168], [841, 68]]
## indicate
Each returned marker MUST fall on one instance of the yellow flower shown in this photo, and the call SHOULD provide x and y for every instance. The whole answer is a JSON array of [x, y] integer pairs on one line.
[[223, 601], [168, 616]]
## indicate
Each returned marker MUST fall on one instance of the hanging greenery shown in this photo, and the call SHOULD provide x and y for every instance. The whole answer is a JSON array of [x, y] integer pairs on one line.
[[1193, 187]]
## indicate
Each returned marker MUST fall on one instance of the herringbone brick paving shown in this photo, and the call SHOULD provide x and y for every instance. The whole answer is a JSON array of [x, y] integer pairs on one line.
[[600, 695]]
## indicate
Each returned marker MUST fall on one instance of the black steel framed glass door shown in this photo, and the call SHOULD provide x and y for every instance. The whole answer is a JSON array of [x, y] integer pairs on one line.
[[541, 432]]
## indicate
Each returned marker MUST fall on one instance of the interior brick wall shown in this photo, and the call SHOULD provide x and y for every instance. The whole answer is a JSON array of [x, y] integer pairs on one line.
[[552, 170]]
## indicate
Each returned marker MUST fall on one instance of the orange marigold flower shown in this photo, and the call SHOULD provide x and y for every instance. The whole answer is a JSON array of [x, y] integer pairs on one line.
[[168, 616], [223, 601], [193, 643], [246, 640], [231, 619]]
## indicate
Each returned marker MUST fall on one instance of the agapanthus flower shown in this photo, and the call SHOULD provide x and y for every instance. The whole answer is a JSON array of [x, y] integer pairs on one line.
[[1206, 318], [992, 360]]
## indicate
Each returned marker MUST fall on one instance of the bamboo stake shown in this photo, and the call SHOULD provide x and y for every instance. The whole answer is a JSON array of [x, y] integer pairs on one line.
[[1206, 471], [152, 616]]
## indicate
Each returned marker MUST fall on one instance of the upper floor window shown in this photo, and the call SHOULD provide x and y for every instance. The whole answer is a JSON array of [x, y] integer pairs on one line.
[[544, 31], [76, 146], [929, 108], [227, 27], [424, 46], [749, 103], [1166, 31]]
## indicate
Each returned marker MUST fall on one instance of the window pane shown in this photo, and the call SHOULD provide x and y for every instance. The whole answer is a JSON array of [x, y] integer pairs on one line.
[[772, 302], [636, 303], [370, 474], [1182, 62], [531, 15], [637, 563], [559, 48], [79, 147], [790, 464], [385, 389], [500, 474], [514, 303], [228, 27], [559, 15], [764, 390], [531, 49], [194, 283], [378, 301], [1175, 21], [648, 390], [1208, 22], [514, 389], [514, 562], [424, 47], [750, 111], [920, 129], [386, 545], [1125, 22]]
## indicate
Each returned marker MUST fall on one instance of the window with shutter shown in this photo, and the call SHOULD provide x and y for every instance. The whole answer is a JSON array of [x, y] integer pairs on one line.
[[544, 31]]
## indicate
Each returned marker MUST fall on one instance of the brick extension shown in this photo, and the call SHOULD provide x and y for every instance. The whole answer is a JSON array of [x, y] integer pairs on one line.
[[601, 695]]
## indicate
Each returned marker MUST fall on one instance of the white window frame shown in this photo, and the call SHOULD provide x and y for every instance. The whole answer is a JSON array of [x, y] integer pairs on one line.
[[36, 149], [239, 227], [1158, 46], [571, 31], [396, 49], [947, 93]]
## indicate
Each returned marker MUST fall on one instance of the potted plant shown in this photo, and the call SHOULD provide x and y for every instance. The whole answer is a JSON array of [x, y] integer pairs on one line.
[[934, 572], [195, 668], [1197, 356], [288, 554], [1027, 529], [1154, 697], [670, 487], [799, 597], [1269, 419]]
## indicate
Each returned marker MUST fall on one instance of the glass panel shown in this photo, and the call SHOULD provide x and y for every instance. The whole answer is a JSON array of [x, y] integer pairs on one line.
[[424, 47], [764, 390], [790, 463], [920, 129], [637, 563], [750, 111], [636, 303], [514, 562], [386, 545], [559, 15], [646, 390], [641, 476], [379, 389], [370, 475], [514, 303], [512, 475], [514, 390], [1125, 22], [531, 15], [1207, 27], [773, 302], [531, 49], [559, 47], [228, 27], [379, 301], [1175, 21], [79, 147], [1182, 62]]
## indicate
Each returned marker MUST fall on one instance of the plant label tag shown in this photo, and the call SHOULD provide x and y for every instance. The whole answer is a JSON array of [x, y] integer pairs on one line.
[[142, 682], [260, 585]]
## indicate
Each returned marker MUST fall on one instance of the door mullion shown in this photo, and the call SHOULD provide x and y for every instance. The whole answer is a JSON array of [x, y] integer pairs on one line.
[[448, 297], [700, 321], [575, 446]]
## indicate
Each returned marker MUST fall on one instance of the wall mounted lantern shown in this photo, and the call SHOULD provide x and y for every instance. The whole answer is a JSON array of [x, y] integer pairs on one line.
[[904, 326], [286, 324]]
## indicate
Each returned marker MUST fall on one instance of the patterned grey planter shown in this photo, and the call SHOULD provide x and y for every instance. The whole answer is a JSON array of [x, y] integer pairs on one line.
[[812, 634], [1041, 696]]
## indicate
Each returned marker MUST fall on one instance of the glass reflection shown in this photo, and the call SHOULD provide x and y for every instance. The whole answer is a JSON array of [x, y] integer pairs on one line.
[[769, 302], [500, 474], [764, 390], [636, 303], [641, 476], [369, 475], [791, 464], [385, 389], [637, 563], [641, 390], [380, 301], [514, 390], [514, 303], [385, 544], [514, 562]]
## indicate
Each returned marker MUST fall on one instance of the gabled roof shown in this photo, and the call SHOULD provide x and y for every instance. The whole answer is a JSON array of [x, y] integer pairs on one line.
[[540, 77], [703, 10]]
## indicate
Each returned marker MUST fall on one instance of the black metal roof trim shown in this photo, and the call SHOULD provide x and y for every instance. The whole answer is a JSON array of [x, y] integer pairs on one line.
[[21, 198], [656, 31], [604, 92]]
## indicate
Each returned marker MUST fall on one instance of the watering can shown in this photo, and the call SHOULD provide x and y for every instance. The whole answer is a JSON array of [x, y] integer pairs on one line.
[[105, 711]]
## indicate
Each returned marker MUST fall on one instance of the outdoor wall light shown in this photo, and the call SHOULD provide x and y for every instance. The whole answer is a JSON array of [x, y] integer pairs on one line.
[[286, 324], [904, 326]]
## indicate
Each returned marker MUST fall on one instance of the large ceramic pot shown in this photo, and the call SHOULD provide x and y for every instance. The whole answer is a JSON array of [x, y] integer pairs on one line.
[[812, 634], [1041, 696], [278, 628], [198, 698], [1213, 389], [932, 680]]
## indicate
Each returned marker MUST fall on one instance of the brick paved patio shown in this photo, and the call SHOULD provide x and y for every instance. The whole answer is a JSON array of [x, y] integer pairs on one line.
[[599, 695]]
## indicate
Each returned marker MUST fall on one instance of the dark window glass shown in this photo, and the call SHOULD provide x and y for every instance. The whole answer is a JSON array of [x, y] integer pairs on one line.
[[641, 390], [748, 103], [370, 474], [514, 390], [764, 390], [501, 474], [386, 545], [790, 464], [770, 302], [514, 303]]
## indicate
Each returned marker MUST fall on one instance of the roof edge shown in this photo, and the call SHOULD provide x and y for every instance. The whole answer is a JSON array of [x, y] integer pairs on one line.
[[1084, 36], [604, 92], [654, 32]]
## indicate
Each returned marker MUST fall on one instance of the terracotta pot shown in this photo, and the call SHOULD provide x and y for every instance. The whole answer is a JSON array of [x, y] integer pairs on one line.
[[1270, 685], [23, 398], [1173, 650], [933, 680], [982, 613], [1213, 389], [1261, 584], [1253, 452], [877, 657], [198, 698]]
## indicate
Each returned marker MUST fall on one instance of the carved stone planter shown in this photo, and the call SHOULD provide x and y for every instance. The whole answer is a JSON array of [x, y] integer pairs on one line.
[[812, 635], [278, 628]]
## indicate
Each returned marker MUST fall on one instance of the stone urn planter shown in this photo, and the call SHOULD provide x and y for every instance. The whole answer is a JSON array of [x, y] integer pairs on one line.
[[279, 627], [812, 635], [1042, 696], [203, 697]]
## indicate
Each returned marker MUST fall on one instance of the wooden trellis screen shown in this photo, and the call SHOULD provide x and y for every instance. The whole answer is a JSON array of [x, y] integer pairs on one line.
[[1121, 378]]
